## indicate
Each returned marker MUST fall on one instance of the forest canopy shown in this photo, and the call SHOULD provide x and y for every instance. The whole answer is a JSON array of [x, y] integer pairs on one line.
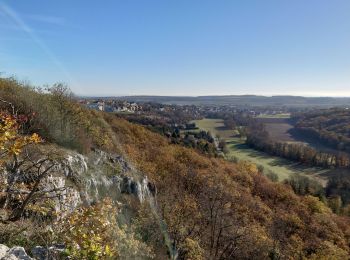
[[213, 208]]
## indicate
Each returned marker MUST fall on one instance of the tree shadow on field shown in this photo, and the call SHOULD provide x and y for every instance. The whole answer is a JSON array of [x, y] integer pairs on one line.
[[222, 128], [253, 153], [320, 173], [273, 160], [333, 172]]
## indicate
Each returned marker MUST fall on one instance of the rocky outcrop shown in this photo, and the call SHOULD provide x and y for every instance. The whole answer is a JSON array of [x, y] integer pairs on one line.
[[78, 179], [14, 253], [38, 253], [81, 179], [74, 179], [3, 250], [111, 175], [51, 253], [142, 189]]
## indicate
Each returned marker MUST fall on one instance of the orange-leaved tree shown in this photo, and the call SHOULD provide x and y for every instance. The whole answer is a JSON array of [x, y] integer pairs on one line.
[[11, 141]]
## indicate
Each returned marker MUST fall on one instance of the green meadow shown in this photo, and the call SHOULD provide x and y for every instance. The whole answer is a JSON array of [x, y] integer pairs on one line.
[[239, 150]]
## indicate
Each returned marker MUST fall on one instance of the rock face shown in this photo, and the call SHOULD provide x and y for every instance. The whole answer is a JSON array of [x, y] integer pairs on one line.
[[85, 179], [111, 175], [51, 253], [79, 179], [3, 251], [142, 189], [75, 179], [14, 253]]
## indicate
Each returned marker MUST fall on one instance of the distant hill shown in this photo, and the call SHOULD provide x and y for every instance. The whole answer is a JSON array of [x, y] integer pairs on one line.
[[249, 100]]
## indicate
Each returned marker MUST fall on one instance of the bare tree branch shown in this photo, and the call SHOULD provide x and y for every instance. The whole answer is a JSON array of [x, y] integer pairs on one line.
[[14, 112]]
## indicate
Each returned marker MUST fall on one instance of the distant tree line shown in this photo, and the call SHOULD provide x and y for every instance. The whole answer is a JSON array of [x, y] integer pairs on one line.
[[336, 194], [232, 119], [331, 126], [258, 138], [202, 141]]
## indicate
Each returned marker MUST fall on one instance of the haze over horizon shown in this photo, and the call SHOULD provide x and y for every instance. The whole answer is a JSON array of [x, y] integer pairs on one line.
[[182, 48]]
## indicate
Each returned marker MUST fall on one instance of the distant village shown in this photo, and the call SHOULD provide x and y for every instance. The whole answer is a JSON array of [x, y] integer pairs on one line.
[[112, 105], [124, 106]]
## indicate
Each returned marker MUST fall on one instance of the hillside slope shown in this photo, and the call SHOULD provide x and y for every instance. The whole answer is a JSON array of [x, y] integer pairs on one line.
[[231, 210], [207, 208]]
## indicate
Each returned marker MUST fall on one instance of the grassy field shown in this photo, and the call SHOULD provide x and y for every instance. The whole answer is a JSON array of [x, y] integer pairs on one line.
[[215, 127], [238, 149], [282, 167]]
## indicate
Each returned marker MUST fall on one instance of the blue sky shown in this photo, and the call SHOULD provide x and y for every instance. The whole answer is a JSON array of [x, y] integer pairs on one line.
[[183, 47]]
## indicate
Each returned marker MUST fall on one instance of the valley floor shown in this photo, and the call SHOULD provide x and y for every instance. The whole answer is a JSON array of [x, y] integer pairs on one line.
[[282, 167]]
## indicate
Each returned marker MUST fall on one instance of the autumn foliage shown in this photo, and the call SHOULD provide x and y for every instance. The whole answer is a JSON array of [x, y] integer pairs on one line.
[[212, 208], [224, 210], [11, 141], [94, 233]]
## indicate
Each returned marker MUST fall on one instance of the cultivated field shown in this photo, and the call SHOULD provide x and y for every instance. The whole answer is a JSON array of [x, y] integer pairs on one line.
[[238, 149], [279, 128]]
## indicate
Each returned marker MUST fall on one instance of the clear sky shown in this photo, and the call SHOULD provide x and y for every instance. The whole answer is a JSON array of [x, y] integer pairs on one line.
[[182, 47]]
